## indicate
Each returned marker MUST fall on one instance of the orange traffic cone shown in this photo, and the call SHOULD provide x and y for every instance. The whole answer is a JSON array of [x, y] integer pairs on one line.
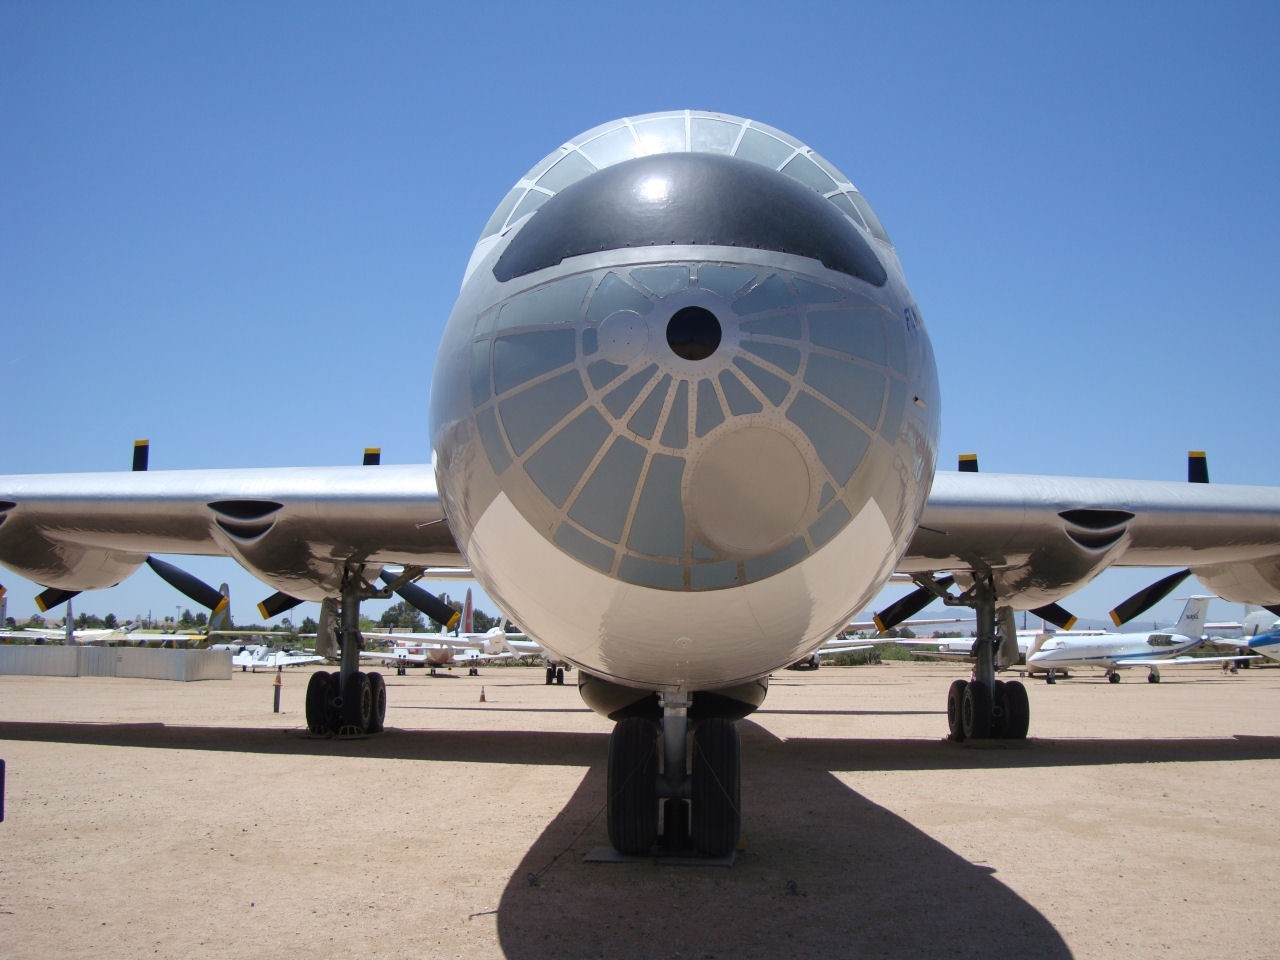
[[482, 695]]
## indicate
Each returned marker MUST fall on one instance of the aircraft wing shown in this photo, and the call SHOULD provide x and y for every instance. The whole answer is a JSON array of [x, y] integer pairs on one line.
[[1042, 537], [294, 528], [1175, 661], [398, 656], [943, 654]]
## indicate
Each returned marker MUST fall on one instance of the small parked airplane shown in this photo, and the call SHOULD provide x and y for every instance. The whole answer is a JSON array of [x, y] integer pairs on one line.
[[1117, 651]]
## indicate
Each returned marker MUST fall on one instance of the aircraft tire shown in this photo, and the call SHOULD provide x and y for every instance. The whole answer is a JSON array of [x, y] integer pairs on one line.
[[1017, 711], [318, 704], [975, 711], [1113, 678], [1153, 678], [997, 710], [560, 676], [378, 690], [955, 696], [716, 820], [357, 708], [633, 786]]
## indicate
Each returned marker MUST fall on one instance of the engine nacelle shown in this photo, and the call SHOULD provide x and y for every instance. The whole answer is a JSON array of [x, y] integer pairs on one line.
[[1256, 582]]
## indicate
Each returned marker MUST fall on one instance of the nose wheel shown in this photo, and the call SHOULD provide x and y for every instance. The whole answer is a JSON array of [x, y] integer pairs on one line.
[[653, 780]]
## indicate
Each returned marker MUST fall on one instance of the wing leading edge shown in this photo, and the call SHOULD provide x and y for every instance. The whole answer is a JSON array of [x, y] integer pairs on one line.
[[294, 528], [1042, 537]]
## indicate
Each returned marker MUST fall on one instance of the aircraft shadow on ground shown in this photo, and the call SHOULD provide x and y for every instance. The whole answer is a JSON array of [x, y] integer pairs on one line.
[[588, 749], [825, 873]]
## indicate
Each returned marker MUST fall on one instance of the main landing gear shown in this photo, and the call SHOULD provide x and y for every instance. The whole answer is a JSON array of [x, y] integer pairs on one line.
[[348, 702], [672, 790], [986, 708], [555, 675]]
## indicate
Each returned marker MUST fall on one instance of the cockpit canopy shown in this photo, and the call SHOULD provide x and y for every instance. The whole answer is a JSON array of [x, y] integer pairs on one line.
[[681, 131]]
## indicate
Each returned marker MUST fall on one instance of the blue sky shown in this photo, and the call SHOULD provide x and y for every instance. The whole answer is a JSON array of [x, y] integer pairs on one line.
[[237, 229]]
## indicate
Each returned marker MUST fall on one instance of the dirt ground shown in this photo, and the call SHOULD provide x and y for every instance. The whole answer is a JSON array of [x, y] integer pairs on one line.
[[151, 818]]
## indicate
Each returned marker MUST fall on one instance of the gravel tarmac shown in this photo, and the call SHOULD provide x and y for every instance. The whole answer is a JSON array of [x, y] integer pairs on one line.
[[152, 818]]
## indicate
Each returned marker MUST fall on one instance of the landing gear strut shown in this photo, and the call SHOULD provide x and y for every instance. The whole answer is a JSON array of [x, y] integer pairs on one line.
[[984, 707], [654, 777], [348, 702]]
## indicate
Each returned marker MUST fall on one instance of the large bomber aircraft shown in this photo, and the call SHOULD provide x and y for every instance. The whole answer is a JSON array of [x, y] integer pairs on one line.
[[684, 423]]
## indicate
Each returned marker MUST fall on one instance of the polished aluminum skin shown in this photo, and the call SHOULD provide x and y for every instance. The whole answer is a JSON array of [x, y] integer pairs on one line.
[[674, 521]]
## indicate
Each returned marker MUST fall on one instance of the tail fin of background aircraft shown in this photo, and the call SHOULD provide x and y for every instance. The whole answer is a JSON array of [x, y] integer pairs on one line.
[[1256, 620], [1191, 623], [220, 618]]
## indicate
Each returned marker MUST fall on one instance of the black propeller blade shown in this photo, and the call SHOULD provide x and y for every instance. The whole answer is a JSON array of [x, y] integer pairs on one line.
[[906, 607], [277, 604], [1052, 613], [968, 463], [189, 585], [1147, 597], [372, 456], [50, 597], [1197, 467], [428, 603], [1274, 608], [141, 454]]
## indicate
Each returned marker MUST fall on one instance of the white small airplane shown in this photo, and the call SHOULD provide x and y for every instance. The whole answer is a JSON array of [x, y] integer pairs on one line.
[[432, 650], [961, 648], [251, 656], [1117, 651]]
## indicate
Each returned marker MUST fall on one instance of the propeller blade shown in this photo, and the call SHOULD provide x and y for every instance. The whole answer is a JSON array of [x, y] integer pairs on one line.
[[372, 456], [968, 463], [1197, 467], [189, 585], [1052, 613], [428, 603], [141, 454], [1274, 608], [50, 597], [1147, 597], [908, 606], [277, 604]]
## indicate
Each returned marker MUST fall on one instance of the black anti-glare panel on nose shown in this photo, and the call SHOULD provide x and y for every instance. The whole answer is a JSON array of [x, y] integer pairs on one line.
[[689, 198], [693, 333]]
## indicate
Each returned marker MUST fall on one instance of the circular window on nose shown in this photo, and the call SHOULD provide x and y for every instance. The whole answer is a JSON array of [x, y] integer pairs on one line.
[[693, 333]]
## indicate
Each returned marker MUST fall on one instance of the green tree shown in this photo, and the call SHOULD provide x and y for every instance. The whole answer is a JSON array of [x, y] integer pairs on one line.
[[110, 621], [401, 615]]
